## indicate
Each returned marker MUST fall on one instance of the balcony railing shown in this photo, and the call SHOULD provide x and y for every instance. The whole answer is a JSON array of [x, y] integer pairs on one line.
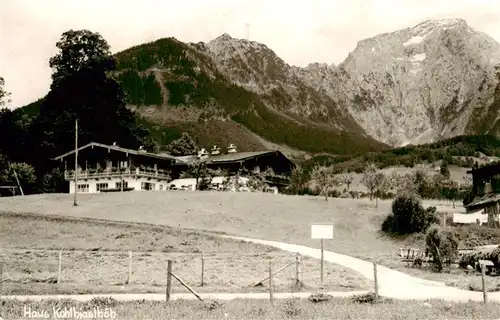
[[116, 172]]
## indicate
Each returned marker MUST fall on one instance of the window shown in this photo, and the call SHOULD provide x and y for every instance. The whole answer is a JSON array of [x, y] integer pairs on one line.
[[161, 187], [83, 188], [118, 185], [147, 186], [123, 164], [101, 186]]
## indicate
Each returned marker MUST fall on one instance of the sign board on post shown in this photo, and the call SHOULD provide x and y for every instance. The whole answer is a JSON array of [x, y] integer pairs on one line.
[[322, 231]]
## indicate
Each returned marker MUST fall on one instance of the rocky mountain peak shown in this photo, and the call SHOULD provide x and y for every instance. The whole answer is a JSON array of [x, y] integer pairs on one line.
[[257, 68], [248, 63], [440, 23], [415, 85]]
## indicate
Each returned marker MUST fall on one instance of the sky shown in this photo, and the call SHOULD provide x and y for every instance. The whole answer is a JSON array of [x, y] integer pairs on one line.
[[299, 31]]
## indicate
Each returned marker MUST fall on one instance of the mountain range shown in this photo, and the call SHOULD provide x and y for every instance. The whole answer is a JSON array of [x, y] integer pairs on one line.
[[432, 81]]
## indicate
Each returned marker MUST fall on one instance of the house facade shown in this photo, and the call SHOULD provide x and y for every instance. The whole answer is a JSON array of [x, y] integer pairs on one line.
[[237, 163], [108, 168], [486, 193]]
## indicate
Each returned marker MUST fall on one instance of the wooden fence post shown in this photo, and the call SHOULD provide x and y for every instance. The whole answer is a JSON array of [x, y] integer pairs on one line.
[[322, 260], [274, 272], [187, 287], [297, 269], [202, 269], [169, 280], [59, 268], [485, 297], [375, 280], [1, 279], [271, 298], [129, 267]]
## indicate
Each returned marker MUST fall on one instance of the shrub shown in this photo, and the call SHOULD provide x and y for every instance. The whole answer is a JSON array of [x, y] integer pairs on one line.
[[409, 216], [387, 225], [319, 297], [291, 308], [212, 305], [442, 245], [100, 302], [369, 298]]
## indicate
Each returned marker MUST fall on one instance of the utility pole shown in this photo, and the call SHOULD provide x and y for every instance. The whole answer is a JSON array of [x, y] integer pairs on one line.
[[75, 203]]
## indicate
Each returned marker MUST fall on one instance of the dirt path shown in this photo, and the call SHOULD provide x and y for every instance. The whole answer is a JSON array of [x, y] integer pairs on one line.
[[391, 283]]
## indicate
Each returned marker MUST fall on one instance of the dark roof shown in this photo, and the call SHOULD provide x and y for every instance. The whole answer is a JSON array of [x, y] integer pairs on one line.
[[486, 199], [230, 157], [485, 169], [120, 149], [238, 156]]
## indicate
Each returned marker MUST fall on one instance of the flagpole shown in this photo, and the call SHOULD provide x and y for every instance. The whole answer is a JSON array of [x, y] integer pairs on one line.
[[75, 203]]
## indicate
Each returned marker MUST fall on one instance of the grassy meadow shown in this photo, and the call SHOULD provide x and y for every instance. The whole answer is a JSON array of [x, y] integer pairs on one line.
[[265, 216], [95, 259], [346, 308]]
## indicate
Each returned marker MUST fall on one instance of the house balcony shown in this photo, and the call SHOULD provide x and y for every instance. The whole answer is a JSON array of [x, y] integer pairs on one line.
[[117, 173]]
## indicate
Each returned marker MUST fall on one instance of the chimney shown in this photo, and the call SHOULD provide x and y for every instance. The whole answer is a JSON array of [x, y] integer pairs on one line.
[[202, 154], [215, 151], [231, 148], [114, 143]]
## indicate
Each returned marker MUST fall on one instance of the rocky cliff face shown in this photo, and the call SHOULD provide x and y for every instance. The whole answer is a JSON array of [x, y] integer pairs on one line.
[[284, 88], [434, 80]]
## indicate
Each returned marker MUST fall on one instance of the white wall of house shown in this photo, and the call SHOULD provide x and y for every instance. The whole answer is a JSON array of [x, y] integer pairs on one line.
[[92, 185]]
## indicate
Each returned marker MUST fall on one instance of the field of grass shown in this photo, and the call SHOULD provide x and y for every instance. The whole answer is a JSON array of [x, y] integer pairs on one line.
[[266, 216], [262, 309], [95, 259]]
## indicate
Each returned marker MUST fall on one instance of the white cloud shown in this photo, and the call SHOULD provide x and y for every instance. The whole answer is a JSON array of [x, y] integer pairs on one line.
[[298, 31]]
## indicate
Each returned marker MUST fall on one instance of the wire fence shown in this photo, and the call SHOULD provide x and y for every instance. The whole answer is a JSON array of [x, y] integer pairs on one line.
[[24, 267]]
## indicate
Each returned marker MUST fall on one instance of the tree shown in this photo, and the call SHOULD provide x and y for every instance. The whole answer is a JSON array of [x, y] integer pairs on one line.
[[409, 216], [183, 146], [83, 89], [324, 178], [382, 185], [442, 245], [22, 172], [15, 125], [297, 180], [53, 182], [404, 182], [77, 50], [198, 170], [444, 169], [374, 180], [449, 189], [4, 95], [346, 178]]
